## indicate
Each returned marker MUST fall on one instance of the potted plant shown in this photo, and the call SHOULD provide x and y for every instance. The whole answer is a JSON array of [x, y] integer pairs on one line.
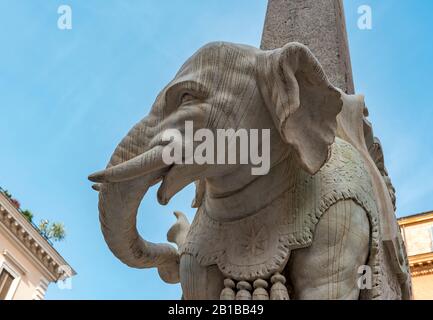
[[15, 203], [7, 194], [52, 231], [28, 215]]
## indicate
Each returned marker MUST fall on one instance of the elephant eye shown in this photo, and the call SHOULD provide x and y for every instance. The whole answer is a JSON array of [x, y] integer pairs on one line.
[[187, 97]]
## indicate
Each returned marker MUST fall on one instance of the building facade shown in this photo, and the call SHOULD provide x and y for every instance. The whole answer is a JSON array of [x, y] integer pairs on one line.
[[28, 262], [417, 231]]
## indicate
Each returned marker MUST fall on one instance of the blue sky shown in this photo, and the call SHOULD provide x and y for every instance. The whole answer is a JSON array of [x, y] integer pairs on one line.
[[68, 97]]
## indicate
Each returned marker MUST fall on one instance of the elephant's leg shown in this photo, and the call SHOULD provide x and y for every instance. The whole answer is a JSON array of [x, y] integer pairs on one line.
[[200, 283], [328, 269]]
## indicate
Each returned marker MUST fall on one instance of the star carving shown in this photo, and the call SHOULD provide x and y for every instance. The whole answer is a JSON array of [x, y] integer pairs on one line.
[[254, 241]]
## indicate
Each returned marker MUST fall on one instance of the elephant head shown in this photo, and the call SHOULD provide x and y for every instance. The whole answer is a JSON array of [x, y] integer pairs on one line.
[[222, 86]]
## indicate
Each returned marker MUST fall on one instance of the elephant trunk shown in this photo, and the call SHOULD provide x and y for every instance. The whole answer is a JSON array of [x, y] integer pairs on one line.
[[119, 202]]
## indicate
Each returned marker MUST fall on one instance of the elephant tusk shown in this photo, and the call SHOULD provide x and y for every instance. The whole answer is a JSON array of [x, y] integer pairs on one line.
[[133, 168], [96, 187]]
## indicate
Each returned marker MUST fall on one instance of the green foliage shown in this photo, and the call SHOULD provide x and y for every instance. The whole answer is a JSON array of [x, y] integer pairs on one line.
[[52, 231], [7, 194], [43, 228], [28, 214], [58, 231]]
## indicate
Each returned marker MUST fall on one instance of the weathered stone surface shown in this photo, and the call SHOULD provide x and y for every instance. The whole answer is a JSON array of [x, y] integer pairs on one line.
[[320, 25], [323, 190]]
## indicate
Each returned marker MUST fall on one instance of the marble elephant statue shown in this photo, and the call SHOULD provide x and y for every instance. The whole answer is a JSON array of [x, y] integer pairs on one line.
[[319, 225]]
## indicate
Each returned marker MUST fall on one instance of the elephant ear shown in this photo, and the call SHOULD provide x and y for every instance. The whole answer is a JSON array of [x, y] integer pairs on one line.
[[303, 103]]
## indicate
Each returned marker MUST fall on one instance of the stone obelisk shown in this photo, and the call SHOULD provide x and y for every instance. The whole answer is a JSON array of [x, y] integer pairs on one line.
[[320, 25]]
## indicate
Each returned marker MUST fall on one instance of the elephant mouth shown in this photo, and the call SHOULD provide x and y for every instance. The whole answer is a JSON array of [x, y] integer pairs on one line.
[[176, 178], [162, 193], [151, 169]]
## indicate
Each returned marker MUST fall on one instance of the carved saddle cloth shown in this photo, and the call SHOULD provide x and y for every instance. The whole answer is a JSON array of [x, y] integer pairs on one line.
[[259, 245]]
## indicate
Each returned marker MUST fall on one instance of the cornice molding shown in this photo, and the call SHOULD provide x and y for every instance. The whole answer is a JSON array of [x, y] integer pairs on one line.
[[416, 219], [37, 247], [421, 264]]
